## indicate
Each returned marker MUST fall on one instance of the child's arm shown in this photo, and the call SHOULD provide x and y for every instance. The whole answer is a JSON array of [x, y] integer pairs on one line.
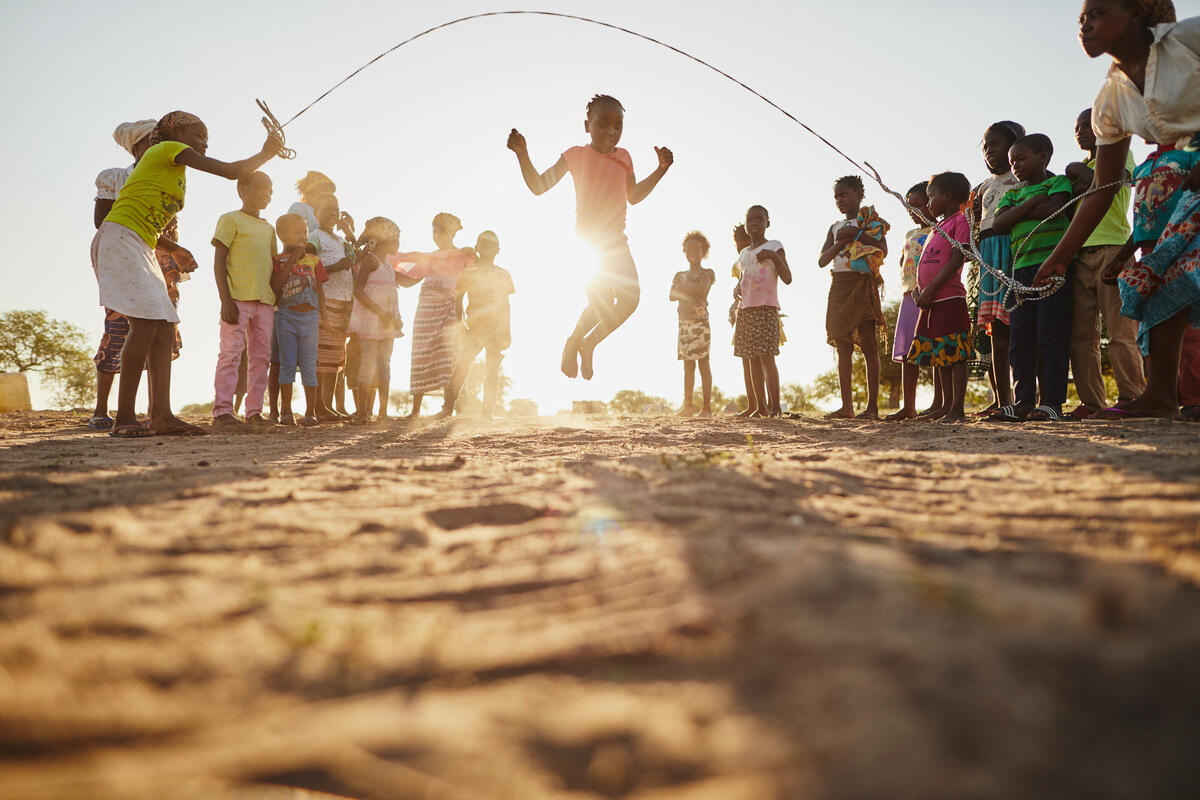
[[1049, 205], [924, 298], [321, 298], [677, 291], [781, 266], [1114, 267], [101, 210], [637, 192], [279, 277], [869, 241], [229, 309], [538, 183], [234, 169], [1007, 219], [365, 267], [833, 247]]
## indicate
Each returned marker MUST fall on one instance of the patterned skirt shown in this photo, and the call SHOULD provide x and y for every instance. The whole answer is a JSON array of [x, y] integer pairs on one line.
[[331, 336], [943, 335], [996, 251], [694, 340], [434, 345], [756, 334]]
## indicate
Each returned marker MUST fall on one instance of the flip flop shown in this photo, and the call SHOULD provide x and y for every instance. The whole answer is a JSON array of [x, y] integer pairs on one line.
[[1006, 414], [1045, 414], [130, 432], [101, 423], [186, 429]]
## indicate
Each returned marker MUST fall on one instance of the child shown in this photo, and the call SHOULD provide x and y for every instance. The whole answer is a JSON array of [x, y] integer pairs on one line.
[[996, 248], [1092, 299], [1039, 331], [909, 315], [435, 343], [756, 335], [487, 288], [375, 320], [604, 185], [857, 247], [690, 290], [311, 186], [244, 246], [337, 254], [942, 338], [131, 278], [741, 240], [296, 280]]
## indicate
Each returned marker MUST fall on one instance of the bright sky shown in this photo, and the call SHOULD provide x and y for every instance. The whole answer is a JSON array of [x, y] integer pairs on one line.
[[908, 86]]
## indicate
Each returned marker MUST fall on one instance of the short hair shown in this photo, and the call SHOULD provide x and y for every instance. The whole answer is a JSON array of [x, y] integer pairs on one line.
[[1037, 142], [603, 98], [441, 219], [1087, 111], [243, 181], [922, 187], [311, 180], [954, 184], [290, 219], [488, 235], [763, 209], [323, 198], [698, 237], [380, 229], [1152, 12], [853, 181]]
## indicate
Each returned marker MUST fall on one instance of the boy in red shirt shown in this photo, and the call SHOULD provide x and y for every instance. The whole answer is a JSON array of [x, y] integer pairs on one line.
[[296, 280]]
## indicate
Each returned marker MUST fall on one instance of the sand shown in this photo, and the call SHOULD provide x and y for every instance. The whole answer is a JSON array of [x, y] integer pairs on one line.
[[591, 608]]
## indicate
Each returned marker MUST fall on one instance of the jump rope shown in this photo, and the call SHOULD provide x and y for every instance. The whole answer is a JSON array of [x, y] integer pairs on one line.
[[1012, 287]]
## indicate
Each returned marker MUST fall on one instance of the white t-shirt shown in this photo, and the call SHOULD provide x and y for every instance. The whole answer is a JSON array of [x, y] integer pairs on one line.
[[760, 282], [110, 181], [332, 249], [991, 192], [841, 262]]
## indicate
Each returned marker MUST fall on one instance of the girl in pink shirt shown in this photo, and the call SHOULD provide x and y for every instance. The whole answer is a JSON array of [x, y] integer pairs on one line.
[[604, 185], [756, 333]]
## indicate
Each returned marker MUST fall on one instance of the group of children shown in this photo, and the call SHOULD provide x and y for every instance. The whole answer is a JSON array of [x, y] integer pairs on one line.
[[326, 304]]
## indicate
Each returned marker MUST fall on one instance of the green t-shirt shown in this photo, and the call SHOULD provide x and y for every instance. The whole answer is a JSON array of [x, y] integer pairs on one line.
[[1042, 244], [153, 193], [252, 247], [1115, 227]]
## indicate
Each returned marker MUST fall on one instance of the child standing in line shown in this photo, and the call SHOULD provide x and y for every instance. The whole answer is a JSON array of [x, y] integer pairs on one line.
[[486, 287], [756, 335], [690, 290], [337, 254], [909, 315], [244, 246], [857, 247], [435, 327], [741, 240], [296, 280], [942, 338], [604, 186], [1040, 331], [996, 248], [311, 186], [375, 321]]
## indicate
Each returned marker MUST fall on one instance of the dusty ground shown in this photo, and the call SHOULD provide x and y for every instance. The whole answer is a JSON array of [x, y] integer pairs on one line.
[[586, 609]]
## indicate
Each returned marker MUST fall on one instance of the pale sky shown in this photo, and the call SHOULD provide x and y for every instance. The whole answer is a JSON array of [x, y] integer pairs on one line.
[[908, 86]]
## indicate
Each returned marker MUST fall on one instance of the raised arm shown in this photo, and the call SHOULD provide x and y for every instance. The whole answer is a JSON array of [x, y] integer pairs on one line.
[[230, 169], [637, 192], [538, 182]]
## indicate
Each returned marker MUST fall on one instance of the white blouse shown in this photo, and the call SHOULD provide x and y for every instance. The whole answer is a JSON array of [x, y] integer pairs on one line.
[[1169, 110], [109, 182]]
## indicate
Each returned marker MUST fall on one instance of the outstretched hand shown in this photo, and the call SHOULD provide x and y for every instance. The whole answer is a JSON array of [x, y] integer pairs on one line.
[[273, 146], [516, 142], [665, 157]]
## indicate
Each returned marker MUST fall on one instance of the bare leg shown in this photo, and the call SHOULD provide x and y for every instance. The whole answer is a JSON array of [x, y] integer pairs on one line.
[[339, 395], [104, 382], [757, 376], [161, 417], [384, 386], [956, 379], [416, 405], [751, 398], [845, 351], [706, 387], [868, 336], [689, 388], [944, 395], [771, 379], [137, 346], [491, 382], [909, 375], [1161, 397], [285, 396], [612, 318], [273, 390], [325, 386], [466, 360], [312, 403], [1001, 370]]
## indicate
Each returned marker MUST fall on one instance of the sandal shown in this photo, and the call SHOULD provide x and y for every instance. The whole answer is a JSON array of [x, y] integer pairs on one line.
[[130, 432], [1006, 414], [101, 423], [1045, 414]]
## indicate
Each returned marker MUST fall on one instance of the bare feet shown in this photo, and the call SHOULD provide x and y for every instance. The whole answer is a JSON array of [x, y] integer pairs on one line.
[[570, 358], [287, 419], [226, 421], [749, 412], [953, 418], [902, 414], [841, 413], [445, 413], [309, 421], [585, 361], [686, 411], [705, 413], [868, 413], [934, 414]]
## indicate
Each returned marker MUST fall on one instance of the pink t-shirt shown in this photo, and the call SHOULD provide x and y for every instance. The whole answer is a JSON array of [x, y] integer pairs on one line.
[[760, 283], [938, 251], [601, 189]]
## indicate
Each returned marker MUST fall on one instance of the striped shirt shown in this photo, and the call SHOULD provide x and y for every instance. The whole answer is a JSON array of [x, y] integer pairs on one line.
[[1042, 243], [252, 247]]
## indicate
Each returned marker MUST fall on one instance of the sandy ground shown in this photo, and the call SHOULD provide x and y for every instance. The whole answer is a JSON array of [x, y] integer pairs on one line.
[[570, 608]]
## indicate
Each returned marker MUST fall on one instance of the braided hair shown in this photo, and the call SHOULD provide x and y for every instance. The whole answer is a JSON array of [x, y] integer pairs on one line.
[[1152, 12], [853, 181], [597, 99]]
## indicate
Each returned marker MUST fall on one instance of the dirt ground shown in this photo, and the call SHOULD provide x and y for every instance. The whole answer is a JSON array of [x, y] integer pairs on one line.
[[661, 609]]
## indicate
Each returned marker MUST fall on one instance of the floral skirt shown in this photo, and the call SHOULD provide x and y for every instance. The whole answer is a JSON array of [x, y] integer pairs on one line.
[[996, 251], [756, 334], [943, 335], [694, 339]]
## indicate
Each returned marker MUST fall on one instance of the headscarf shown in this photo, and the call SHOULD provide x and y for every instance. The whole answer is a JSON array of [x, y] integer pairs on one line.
[[1153, 12], [128, 134], [171, 123], [311, 180]]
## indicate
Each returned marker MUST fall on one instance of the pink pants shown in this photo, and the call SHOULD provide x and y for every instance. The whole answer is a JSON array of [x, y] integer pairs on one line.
[[253, 333]]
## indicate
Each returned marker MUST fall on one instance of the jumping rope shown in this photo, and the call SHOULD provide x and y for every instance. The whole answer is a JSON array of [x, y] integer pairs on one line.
[[970, 251]]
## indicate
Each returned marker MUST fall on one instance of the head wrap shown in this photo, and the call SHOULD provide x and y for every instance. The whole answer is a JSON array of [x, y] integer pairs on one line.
[[172, 123], [1153, 12], [128, 134], [1016, 129], [312, 180]]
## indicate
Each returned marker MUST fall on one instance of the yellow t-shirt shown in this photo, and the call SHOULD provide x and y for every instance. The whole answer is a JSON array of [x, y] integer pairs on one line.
[[1115, 228], [153, 192], [252, 248]]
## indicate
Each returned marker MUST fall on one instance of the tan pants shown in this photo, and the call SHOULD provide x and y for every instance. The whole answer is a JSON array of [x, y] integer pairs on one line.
[[1092, 300]]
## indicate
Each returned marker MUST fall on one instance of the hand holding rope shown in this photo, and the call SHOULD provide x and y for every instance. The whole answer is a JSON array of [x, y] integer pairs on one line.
[[274, 128]]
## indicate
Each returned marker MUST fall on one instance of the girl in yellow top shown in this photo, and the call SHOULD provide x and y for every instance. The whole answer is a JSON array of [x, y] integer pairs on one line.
[[131, 282]]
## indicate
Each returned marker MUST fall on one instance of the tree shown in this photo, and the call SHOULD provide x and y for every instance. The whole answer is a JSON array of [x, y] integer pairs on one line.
[[31, 341], [634, 403]]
